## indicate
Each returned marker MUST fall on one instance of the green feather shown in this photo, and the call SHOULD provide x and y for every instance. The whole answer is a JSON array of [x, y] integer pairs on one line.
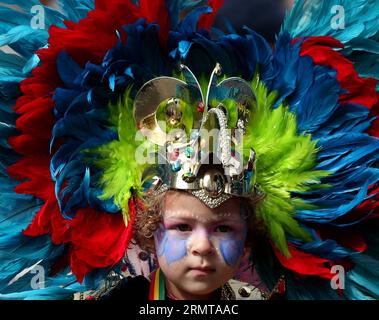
[[232, 112], [121, 172], [285, 163]]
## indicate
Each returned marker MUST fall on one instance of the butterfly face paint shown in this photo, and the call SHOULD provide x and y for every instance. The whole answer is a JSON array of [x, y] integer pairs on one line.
[[232, 246], [232, 250], [170, 245], [183, 235]]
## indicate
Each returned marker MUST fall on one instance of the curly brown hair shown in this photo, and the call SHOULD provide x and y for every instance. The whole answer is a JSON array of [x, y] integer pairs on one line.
[[148, 220]]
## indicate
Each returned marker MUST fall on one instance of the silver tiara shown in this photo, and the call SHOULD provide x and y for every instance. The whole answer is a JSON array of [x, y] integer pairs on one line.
[[199, 136]]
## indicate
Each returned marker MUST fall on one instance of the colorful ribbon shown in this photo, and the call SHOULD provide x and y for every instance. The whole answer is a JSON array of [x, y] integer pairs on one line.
[[157, 286]]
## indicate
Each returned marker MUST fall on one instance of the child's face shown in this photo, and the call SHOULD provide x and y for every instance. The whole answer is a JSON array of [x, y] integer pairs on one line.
[[199, 248]]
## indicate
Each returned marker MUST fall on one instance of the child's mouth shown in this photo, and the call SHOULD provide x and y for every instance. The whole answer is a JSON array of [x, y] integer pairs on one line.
[[202, 271]]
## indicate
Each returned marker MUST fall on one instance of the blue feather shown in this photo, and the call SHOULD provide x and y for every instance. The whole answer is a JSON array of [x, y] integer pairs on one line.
[[351, 118], [330, 214], [68, 69], [312, 111], [361, 281], [176, 8], [357, 145], [189, 23], [17, 33]]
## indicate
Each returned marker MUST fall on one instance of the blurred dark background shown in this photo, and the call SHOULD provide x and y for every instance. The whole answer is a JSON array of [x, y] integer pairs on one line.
[[263, 16]]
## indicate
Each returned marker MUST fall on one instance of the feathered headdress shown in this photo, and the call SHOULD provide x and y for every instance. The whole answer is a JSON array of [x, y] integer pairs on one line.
[[81, 100]]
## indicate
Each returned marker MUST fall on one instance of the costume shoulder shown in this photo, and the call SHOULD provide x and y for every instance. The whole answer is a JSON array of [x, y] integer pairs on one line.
[[246, 291]]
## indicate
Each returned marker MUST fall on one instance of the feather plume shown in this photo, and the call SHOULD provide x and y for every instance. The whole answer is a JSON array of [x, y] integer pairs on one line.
[[285, 163], [121, 173]]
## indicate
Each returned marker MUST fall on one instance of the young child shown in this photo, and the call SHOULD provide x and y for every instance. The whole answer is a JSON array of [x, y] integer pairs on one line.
[[198, 249]]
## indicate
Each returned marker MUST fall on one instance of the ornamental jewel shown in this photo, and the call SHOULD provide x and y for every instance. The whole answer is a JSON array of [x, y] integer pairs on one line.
[[189, 152], [200, 107], [174, 155], [176, 166]]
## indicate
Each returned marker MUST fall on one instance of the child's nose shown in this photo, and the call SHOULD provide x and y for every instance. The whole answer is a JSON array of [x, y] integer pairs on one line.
[[201, 245]]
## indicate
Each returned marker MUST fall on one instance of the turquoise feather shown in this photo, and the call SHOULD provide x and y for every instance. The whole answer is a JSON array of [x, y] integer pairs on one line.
[[359, 35]]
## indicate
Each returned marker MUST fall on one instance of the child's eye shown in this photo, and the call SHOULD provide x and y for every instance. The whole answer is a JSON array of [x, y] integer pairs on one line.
[[183, 227], [223, 228]]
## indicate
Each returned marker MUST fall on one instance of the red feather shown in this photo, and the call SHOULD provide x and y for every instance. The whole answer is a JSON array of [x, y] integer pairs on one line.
[[360, 90], [305, 263], [95, 239], [155, 11], [206, 20]]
